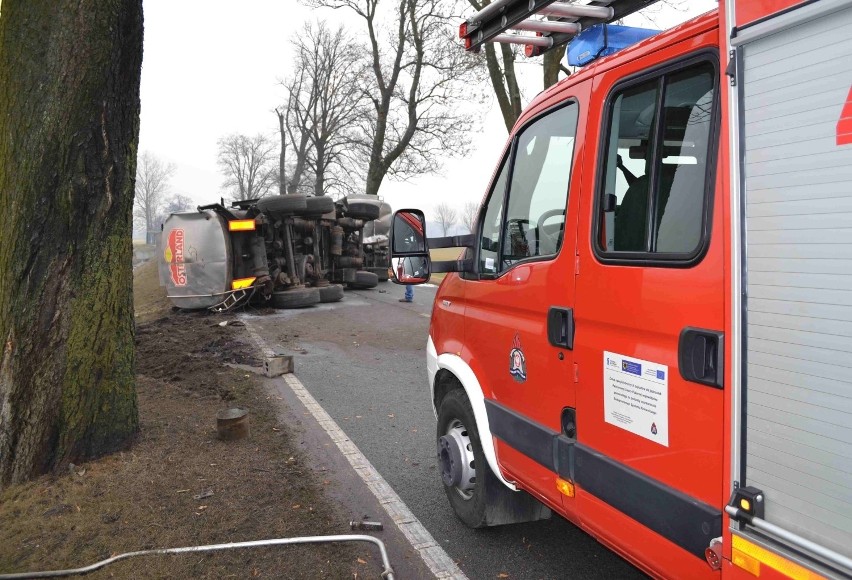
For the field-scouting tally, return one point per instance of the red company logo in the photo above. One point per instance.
(174, 257)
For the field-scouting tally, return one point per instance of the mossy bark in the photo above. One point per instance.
(69, 128)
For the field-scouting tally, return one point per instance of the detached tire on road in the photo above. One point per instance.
(381, 273)
(296, 298)
(331, 293)
(283, 204)
(477, 496)
(364, 280)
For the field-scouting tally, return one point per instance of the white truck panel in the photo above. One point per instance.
(798, 276)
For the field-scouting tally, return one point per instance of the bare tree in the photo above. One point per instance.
(325, 101)
(295, 126)
(179, 202)
(469, 213)
(246, 164)
(416, 87)
(446, 216)
(152, 184)
(500, 62)
(282, 158)
(175, 204)
(69, 73)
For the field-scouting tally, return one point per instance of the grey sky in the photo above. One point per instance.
(212, 68)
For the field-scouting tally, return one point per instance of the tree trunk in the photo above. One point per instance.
(282, 180)
(375, 176)
(552, 65)
(69, 128)
(319, 179)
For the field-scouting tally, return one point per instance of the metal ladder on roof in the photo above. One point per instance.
(567, 20)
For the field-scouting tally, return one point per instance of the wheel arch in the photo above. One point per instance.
(448, 372)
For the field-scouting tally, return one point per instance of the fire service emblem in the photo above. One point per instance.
(173, 255)
(517, 361)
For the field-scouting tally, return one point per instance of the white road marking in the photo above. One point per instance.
(433, 555)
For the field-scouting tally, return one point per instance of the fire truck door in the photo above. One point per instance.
(524, 291)
(649, 314)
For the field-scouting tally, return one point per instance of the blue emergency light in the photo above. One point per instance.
(602, 40)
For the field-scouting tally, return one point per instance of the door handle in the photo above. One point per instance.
(701, 356)
(560, 327)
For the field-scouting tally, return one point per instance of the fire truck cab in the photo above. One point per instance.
(649, 331)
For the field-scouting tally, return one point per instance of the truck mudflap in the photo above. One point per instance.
(195, 264)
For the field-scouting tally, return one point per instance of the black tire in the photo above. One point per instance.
(381, 273)
(342, 275)
(364, 280)
(331, 293)
(296, 298)
(361, 210)
(283, 204)
(317, 206)
(470, 507)
(489, 502)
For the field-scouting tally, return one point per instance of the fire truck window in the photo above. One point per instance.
(628, 163)
(686, 121)
(489, 247)
(538, 193)
(657, 158)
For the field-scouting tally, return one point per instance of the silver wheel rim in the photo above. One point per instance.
(457, 432)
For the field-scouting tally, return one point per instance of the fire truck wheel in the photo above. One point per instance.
(331, 293)
(361, 210)
(364, 280)
(283, 204)
(296, 298)
(317, 206)
(381, 273)
(464, 470)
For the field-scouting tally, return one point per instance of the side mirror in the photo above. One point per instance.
(411, 270)
(409, 250)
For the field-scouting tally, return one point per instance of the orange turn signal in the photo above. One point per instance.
(241, 225)
(564, 487)
(746, 562)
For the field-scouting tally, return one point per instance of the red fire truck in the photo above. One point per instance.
(650, 330)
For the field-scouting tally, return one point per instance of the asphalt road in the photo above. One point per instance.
(363, 359)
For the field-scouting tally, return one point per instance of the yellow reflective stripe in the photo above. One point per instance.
(771, 559)
(241, 283)
(241, 225)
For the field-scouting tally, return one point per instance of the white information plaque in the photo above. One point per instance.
(636, 396)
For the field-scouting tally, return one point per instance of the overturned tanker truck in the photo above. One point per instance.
(283, 251)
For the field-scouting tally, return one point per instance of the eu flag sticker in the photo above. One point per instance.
(631, 367)
(661, 375)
